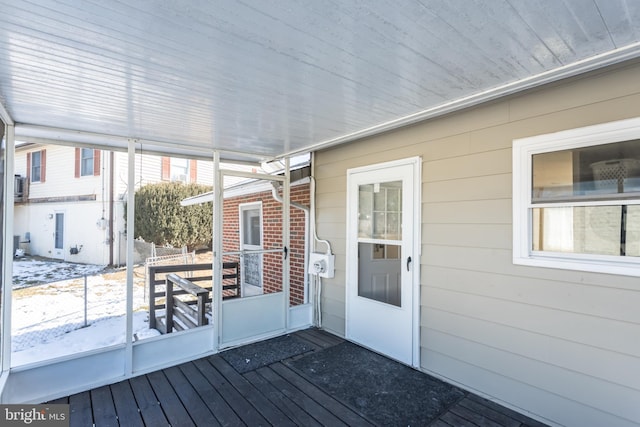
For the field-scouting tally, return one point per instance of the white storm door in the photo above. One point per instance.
(58, 236)
(251, 247)
(383, 237)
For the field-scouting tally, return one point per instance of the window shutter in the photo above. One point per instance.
(166, 168)
(29, 167)
(96, 162)
(77, 167)
(43, 165)
(193, 170)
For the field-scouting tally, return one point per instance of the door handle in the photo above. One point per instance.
(408, 262)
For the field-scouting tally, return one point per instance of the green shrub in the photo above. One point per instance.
(160, 219)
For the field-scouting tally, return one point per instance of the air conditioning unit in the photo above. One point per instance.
(19, 183)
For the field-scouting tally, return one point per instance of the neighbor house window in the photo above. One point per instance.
(36, 161)
(179, 169)
(577, 199)
(87, 162)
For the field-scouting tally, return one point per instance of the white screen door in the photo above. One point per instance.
(382, 258)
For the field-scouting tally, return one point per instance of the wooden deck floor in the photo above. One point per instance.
(210, 392)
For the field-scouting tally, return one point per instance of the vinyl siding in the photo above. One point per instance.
(559, 345)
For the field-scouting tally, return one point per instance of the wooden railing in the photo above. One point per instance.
(185, 299)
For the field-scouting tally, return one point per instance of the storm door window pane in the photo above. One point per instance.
(251, 222)
(380, 210)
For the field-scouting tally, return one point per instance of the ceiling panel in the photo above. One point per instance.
(271, 77)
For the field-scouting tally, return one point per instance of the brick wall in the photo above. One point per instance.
(272, 238)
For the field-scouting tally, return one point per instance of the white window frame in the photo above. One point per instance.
(173, 167)
(523, 151)
(86, 171)
(33, 166)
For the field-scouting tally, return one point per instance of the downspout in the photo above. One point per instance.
(305, 209)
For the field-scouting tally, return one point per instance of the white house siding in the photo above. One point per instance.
(561, 345)
(82, 225)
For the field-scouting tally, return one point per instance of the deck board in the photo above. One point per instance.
(334, 406)
(247, 413)
(190, 398)
(104, 410)
(170, 403)
(281, 400)
(273, 415)
(147, 402)
(310, 406)
(128, 414)
(211, 392)
(214, 401)
(80, 413)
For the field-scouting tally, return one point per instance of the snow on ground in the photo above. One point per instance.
(48, 320)
(32, 271)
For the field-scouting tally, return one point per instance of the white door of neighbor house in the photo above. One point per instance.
(250, 246)
(58, 236)
(383, 251)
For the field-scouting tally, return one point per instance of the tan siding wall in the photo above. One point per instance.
(561, 344)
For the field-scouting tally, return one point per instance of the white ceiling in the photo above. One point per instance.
(267, 78)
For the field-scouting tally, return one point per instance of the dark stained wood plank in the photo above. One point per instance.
(240, 405)
(456, 420)
(147, 402)
(440, 423)
(476, 418)
(104, 412)
(126, 406)
(492, 414)
(60, 401)
(214, 401)
(506, 411)
(268, 410)
(341, 411)
(176, 414)
(318, 338)
(200, 414)
(80, 413)
(278, 398)
(310, 406)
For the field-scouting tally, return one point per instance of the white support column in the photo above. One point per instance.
(7, 253)
(218, 195)
(286, 238)
(131, 190)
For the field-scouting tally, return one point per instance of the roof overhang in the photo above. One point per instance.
(257, 81)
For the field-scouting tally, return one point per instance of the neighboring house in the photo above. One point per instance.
(71, 203)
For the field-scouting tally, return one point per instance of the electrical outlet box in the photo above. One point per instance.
(321, 264)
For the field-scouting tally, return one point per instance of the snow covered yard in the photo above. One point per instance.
(48, 309)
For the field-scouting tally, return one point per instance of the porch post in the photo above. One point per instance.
(7, 167)
(216, 292)
(131, 183)
(286, 238)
